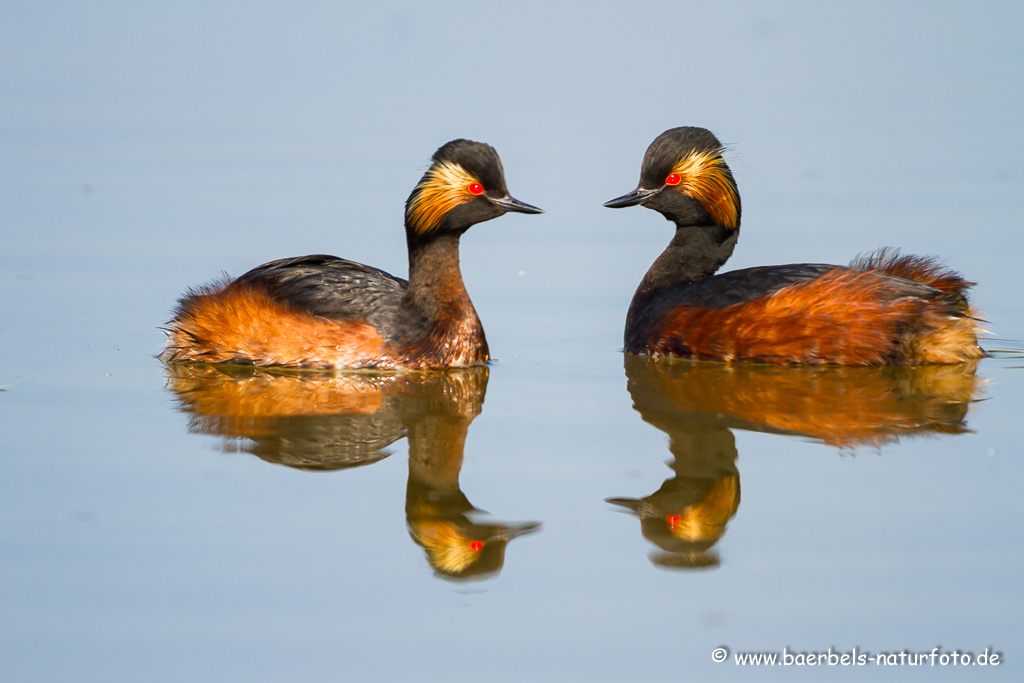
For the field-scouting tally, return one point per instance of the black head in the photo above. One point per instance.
(465, 185)
(685, 178)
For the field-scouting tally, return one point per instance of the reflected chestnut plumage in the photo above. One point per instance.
(846, 407)
(304, 420)
(882, 309)
(325, 312)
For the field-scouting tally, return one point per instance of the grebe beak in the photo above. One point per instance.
(637, 196)
(511, 204)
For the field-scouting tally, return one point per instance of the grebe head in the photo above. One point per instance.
(685, 178)
(465, 185)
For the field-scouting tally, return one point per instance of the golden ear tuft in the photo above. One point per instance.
(443, 187)
(707, 178)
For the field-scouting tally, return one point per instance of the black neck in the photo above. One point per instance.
(435, 280)
(694, 253)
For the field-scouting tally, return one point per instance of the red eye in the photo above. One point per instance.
(672, 521)
(672, 179)
(476, 188)
(476, 545)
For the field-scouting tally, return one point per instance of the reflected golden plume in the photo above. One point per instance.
(448, 551)
(706, 520)
(687, 516)
(458, 544)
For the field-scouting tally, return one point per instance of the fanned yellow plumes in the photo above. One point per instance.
(706, 178)
(443, 187)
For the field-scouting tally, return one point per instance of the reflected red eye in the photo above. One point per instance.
(672, 521)
(672, 179)
(476, 545)
(476, 188)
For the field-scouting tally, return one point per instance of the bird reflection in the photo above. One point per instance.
(329, 421)
(698, 404)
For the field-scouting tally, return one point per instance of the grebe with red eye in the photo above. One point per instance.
(884, 309)
(325, 312)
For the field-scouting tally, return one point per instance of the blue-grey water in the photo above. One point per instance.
(628, 518)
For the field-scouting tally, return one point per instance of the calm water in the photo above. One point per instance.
(566, 513)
